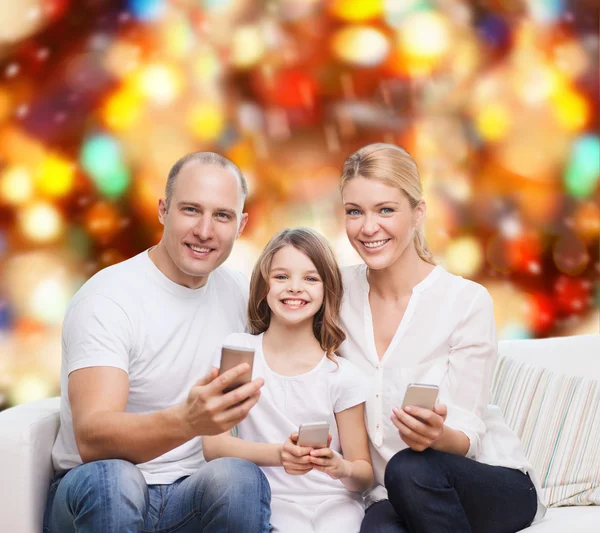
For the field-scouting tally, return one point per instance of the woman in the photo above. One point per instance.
(456, 468)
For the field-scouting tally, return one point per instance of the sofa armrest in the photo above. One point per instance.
(27, 434)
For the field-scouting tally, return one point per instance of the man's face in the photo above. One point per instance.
(202, 221)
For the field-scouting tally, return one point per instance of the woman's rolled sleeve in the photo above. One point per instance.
(473, 355)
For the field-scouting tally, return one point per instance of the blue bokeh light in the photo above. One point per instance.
(147, 10)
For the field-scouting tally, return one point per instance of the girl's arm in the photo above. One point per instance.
(293, 458)
(224, 445)
(354, 469)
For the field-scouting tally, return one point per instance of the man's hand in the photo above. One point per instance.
(105, 430)
(295, 459)
(208, 411)
(420, 428)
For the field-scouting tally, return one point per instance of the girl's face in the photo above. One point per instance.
(380, 222)
(295, 287)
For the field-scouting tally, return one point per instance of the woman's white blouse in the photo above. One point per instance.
(446, 337)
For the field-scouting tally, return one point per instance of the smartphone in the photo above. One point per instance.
(232, 356)
(421, 395)
(315, 435)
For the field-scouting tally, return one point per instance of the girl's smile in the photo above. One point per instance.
(294, 304)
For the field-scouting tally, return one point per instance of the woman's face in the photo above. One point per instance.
(380, 222)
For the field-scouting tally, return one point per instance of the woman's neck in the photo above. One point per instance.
(399, 279)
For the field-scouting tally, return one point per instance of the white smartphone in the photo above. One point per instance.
(421, 395)
(232, 356)
(313, 435)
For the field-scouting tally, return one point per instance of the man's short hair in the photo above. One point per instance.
(205, 158)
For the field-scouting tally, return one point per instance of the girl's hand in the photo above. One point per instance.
(295, 459)
(333, 464)
(420, 428)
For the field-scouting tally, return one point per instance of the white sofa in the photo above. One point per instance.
(27, 433)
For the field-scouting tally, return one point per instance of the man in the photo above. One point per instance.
(136, 339)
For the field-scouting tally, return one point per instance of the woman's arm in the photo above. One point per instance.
(423, 428)
(473, 354)
(354, 469)
(472, 360)
(224, 445)
(452, 441)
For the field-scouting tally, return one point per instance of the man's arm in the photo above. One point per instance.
(103, 430)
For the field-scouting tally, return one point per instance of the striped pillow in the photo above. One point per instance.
(557, 418)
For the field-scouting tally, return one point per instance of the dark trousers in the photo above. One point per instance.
(437, 492)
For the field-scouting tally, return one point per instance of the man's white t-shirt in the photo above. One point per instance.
(288, 401)
(131, 316)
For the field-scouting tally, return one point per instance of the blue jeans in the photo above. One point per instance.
(112, 497)
(437, 492)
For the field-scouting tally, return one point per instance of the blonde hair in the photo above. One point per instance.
(326, 322)
(394, 166)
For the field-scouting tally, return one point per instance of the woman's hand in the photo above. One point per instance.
(295, 459)
(331, 463)
(420, 428)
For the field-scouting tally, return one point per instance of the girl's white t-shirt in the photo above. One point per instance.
(288, 401)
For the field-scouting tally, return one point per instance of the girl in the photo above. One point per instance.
(295, 297)
(456, 468)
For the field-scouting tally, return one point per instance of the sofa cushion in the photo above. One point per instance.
(577, 355)
(557, 418)
(27, 434)
(578, 519)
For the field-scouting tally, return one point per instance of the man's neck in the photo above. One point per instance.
(162, 260)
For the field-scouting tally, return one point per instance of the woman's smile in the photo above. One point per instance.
(375, 246)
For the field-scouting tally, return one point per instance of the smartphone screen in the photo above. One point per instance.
(421, 395)
(232, 356)
(315, 435)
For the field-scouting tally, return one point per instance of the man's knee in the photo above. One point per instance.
(106, 483)
(237, 478)
(234, 495)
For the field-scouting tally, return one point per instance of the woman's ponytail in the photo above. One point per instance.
(421, 247)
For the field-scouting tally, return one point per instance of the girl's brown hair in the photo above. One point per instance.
(394, 166)
(326, 324)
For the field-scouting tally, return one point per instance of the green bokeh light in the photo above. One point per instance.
(101, 157)
(583, 168)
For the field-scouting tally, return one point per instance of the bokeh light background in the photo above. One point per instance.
(497, 101)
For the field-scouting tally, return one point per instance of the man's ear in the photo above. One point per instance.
(243, 223)
(162, 210)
